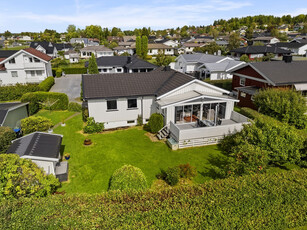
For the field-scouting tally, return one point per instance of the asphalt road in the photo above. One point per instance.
(70, 85)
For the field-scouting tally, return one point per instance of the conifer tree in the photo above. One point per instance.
(92, 65)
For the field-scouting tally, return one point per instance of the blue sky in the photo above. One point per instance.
(35, 15)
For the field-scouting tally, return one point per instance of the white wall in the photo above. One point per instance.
(48, 166)
(220, 76)
(169, 51)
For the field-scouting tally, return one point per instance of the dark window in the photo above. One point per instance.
(132, 103)
(111, 104)
(12, 61)
(131, 121)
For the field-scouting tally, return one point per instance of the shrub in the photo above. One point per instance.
(224, 84)
(6, 136)
(46, 100)
(128, 178)
(140, 120)
(170, 175)
(22, 178)
(92, 126)
(283, 104)
(187, 171)
(58, 72)
(74, 107)
(155, 122)
(11, 93)
(32, 124)
(46, 84)
(85, 114)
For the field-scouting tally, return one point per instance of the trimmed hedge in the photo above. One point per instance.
(32, 124)
(224, 84)
(69, 70)
(270, 201)
(6, 136)
(45, 100)
(74, 107)
(15, 92)
(46, 84)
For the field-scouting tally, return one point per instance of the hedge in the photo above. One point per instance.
(46, 100)
(68, 70)
(74, 107)
(15, 92)
(270, 201)
(6, 136)
(46, 84)
(32, 124)
(224, 84)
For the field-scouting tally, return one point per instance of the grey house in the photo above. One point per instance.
(44, 150)
(12, 113)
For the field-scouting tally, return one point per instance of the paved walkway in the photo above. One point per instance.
(68, 118)
(70, 85)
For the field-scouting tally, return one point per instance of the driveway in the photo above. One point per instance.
(70, 85)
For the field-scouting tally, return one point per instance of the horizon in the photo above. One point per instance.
(23, 16)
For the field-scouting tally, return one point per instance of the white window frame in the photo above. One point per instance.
(242, 81)
(14, 73)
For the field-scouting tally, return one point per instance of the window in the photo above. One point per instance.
(12, 61)
(39, 72)
(104, 70)
(36, 60)
(30, 59)
(119, 70)
(14, 74)
(32, 73)
(242, 81)
(242, 94)
(131, 122)
(111, 104)
(132, 103)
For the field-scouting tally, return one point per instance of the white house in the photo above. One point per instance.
(98, 51)
(195, 113)
(155, 48)
(72, 56)
(189, 47)
(24, 38)
(297, 48)
(119, 50)
(266, 40)
(24, 66)
(44, 150)
(171, 43)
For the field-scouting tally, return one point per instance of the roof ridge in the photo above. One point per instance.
(167, 80)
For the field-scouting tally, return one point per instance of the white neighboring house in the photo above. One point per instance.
(42, 149)
(25, 38)
(195, 113)
(98, 51)
(188, 47)
(296, 47)
(155, 48)
(85, 41)
(171, 43)
(119, 50)
(72, 56)
(266, 40)
(24, 66)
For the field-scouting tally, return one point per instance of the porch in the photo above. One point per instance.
(204, 132)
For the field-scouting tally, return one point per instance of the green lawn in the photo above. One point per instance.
(16, 48)
(90, 167)
(55, 116)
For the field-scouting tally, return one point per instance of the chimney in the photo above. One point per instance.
(167, 68)
(128, 59)
(287, 58)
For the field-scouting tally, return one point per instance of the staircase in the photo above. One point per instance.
(163, 133)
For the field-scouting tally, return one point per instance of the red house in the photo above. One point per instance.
(249, 78)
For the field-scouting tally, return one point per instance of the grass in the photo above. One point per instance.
(55, 116)
(90, 167)
(73, 65)
(16, 48)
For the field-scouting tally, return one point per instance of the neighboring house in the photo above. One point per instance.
(115, 38)
(129, 38)
(72, 56)
(283, 28)
(44, 150)
(155, 48)
(24, 38)
(24, 66)
(188, 47)
(297, 48)
(259, 51)
(266, 40)
(98, 51)
(45, 47)
(119, 50)
(123, 64)
(63, 46)
(85, 41)
(298, 26)
(222, 43)
(126, 44)
(171, 43)
(195, 113)
(248, 79)
(12, 113)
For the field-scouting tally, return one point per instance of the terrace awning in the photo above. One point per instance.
(300, 87)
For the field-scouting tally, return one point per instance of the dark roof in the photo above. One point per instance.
(5, 107)
(62, 46)
(123, 61)
(155, 83)
(290, 44)
(7, 53)
(260, 50)
(48, 46)
(281, 73)
(37, 145)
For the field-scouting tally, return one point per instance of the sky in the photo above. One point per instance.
(37, 15)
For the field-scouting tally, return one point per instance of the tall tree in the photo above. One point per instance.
(234, 41)
(162, 59)
(7, 34)
(92, 65)
(93, 31)
(144, 42)
(138, 46)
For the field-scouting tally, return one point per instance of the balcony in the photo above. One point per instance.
(34, 66)
(205, 132)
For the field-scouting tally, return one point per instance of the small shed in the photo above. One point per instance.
(12, 113)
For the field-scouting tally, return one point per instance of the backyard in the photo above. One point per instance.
(90, 167)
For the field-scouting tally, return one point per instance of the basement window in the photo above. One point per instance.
(131, 122)
(243, 94)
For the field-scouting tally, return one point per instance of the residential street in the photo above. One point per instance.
(70, 85)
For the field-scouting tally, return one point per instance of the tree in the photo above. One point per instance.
(93, 31)
(92, 65)
(249, 33)
(128, 178)
(234, 41)
(138, 46)
(144, 42)
(22, 178)
(212, 48)
(244, 58)
(162, 59)
(7, 34)
(71, 29)
(258, 43)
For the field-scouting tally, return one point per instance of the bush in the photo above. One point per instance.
(74, 107)
(187, 171)
(270, 201)
(46, 100)
(59, 72)
(85, 114)
(92, 126)
(140, 120)
(12, 93)
(283, 104)
(170, 175)
(155, 122)
(6, 136)
(32, 124)
(22, 178)
(128, 178)
(46, 84)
